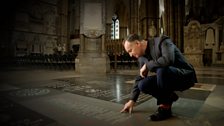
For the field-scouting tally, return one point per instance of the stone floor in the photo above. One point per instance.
(35, 97)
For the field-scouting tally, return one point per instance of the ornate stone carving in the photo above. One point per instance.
(36, 12)
(193, 43)
(152, 30)
(93, 33)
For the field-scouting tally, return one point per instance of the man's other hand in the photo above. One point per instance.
(143, 71)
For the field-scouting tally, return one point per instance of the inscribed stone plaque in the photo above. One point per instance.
(92, 16)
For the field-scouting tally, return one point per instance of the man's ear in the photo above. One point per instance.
(138, 43)
(123, 42)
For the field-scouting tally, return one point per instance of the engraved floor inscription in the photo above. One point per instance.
(110, 88)
(88, 110)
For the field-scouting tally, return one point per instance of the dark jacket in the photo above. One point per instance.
(162, 52)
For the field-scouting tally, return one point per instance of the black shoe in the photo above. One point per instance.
(161, 114)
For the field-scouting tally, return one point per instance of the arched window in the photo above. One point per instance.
(115, 27)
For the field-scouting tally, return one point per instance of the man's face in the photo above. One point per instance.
(133, 48)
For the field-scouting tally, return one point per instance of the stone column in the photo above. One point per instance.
(168, 17)
(179, 24)
(92, 58)
(133, 16)
(63, 23)
(149, 18)
(174, 22)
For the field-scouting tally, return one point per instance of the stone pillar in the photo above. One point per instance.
(179, 24)
(149, 17)
(92, 58)
(63, 24)
(133, 17)
(168, 18)
(174, 21)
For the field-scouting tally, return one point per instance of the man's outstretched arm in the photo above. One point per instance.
(128, 107)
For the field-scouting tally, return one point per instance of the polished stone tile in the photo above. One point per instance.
(75, 110)
(96, 100)
(110, 88)
(194, 94)
(14, 114)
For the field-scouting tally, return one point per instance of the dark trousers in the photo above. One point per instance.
(164, 83)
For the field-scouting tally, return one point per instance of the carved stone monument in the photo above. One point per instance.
(192, 43)
(203, 43)
(92, 58)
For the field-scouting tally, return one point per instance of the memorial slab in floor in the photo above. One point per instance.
(110, 87)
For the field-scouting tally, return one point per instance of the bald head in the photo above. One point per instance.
(134, 45)
(133, 37)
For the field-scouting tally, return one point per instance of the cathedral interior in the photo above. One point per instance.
(63, 61)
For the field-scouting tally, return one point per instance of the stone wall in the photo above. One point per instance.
(40, 26)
